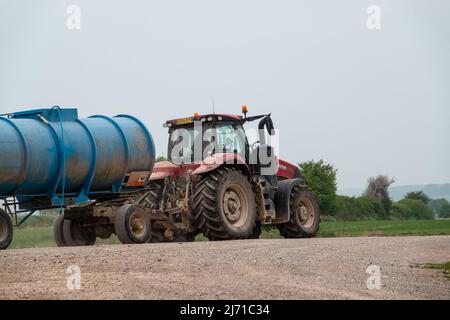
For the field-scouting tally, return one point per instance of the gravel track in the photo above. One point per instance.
(320, 268)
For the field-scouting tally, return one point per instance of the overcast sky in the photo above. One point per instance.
(367, 101)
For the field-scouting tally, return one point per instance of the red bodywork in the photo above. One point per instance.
(165, 169)
(287, 170)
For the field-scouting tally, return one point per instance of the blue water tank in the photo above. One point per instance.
(101, 155)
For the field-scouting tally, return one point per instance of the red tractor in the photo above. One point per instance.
(214, 182)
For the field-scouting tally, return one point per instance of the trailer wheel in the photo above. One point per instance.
(304, 215)
(226, 202)
(132, 224)
(6, 230)
(76, 235)
(58, 232)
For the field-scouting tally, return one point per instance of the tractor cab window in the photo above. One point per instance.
(194, 144)
(228, 140)
(181, 145)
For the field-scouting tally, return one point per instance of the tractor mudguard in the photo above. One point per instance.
(282, 200)
(219, 159)
(163, 169)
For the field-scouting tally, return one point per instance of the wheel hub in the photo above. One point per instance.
(303, 213)
(137, 223)
(235, 205)
(232, 205)
(306, 212)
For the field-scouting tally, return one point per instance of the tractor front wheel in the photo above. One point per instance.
(6, 230)
(224, 205)
(304, 215)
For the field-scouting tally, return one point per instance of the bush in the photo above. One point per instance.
(377, 188)
(320, 177)
(418, 195)
(358, 208)
(440, 207)
(411, 209)
(444, 210)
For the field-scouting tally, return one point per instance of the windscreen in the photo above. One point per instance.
(195, 143)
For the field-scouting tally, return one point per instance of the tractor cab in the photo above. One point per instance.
(196, 139)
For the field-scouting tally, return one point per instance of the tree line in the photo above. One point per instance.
(374, 203)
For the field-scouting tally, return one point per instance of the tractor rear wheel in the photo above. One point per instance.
(132, 224)
(224, 205)
(152, 201)
(6, 230)
(304, 215)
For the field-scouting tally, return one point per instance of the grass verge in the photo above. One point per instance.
(445, 267)
(37, 232)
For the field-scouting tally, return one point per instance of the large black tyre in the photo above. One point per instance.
(304, 214)
(6, 230)
(71, 233)
(76, 235)
(132, 224)
(152, 201)
(58, 231)
(224, 205)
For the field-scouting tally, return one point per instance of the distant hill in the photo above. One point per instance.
(434, 191)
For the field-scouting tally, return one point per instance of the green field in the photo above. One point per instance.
(38, 231)
(385, 228)
(445, 267)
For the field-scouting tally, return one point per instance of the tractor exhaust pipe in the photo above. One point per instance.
(265, 122)
(261, 134)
